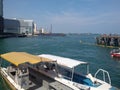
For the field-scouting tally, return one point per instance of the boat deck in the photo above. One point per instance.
(42, 82)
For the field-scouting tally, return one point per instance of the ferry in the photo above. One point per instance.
(115, 53)
(49, 72)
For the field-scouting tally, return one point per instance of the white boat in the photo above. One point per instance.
(84, 82)
(50, 72)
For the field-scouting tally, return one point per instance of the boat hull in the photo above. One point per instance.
(117, 55)
(9, 81)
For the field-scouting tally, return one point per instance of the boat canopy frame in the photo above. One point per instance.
(66, 62)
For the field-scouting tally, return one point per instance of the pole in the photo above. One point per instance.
(72, 73)
(87, 68)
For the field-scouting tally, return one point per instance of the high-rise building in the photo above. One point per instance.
(19, 26)
(1, 7)
(1, 17)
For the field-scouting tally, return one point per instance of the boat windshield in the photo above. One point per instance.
(78, 76)
(67, 72)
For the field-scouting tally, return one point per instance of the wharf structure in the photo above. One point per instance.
(108, 40)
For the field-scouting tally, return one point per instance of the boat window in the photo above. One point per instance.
(13, 73)
(65, 72)
(81, 69)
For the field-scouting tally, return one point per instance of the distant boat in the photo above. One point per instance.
(115, 53)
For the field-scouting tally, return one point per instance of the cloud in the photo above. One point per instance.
(75, 21)
(82, 19)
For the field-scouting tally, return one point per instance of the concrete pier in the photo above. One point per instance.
(108, 40)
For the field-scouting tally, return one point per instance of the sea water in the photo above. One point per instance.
(80, 47)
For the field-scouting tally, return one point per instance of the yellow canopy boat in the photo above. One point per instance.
(17, 58)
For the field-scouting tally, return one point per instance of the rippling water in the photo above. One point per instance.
(80, 47)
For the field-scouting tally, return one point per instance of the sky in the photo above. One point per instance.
(68, 16)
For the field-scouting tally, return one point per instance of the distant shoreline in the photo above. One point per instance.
(7, 35)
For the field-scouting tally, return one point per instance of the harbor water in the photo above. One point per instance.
(79, 47)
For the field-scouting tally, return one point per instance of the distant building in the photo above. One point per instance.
(1, 7)
(19, 26)
(11, 26)
(35, 28)
(1, 17)
(42, 30)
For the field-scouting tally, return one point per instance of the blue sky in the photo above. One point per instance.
(68, 16)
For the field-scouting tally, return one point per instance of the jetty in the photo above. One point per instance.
(108, 40)
(8, 35)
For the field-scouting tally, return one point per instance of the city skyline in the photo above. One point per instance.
(68, 16)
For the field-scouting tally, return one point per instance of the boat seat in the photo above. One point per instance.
(88, 82)
(91, 77)
(83, 80)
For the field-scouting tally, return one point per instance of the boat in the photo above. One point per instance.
(115, 53)
(49, 72)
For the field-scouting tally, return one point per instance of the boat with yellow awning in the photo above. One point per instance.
(18, 75)
(49, 72)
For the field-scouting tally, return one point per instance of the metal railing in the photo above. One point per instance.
(104, 71)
